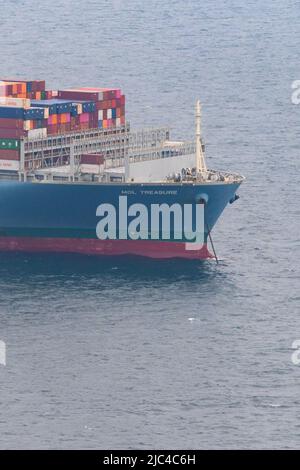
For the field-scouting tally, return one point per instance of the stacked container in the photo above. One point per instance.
(35, 89)
(27, 109)
(109, 105)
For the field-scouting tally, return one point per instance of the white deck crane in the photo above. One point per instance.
(200, 159)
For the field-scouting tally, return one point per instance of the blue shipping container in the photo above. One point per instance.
(34, 113)
(55, 106)
(87, 106)
(11, 113)
(74, 110)
(44, 104)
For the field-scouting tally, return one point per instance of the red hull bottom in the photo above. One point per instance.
(149, 249)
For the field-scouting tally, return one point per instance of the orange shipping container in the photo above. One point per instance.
(64, 118)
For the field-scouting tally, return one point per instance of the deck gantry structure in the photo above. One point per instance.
(120, 147)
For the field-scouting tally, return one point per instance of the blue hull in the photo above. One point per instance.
(65, 213)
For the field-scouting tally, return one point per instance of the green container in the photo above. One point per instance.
(9, 144)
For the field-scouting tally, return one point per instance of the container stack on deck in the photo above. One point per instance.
(28, 110)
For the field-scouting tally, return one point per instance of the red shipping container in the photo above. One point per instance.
(107, 93)
(40, 85)
(9, 155)
(77, 95)
(53, 129)
(63, 128)
(99, 105)
(122, 99)
(11, 123)
(93, 123)
(12, 133)
(92, 158)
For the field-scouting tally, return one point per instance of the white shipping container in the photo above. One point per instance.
(109, 114)
(26, 125)
(15, 102)
(93, 169)
(12, 165)
(100, 115)
(118, 122)
(37, 133)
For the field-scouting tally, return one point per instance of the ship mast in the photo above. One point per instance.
(200, 160)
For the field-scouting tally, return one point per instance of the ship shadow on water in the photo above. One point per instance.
(27, 267)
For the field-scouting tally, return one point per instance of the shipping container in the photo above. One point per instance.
(9, 144)
(87, 106)
(17, 102)
(12, 133)
(36, 113)
(92, 158)
(27, 85)
(11, 112)
(9, 165)
(12, 123)
(52, 129)
(103, 93)
(77, 95)
(37, 134)
(84, 117)
(60, 111)
(51, 106)
(76, 109)
(9, 154)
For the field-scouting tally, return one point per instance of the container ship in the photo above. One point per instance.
(75, 178)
